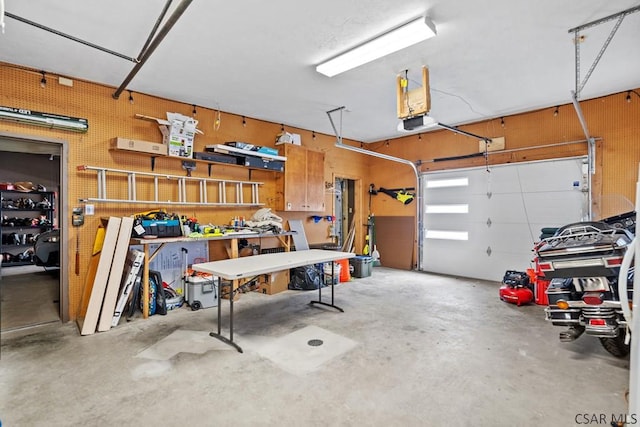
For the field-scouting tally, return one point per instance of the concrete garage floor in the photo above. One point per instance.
(31, 298)
(411, 349)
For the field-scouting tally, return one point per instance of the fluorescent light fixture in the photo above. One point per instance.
(53, 121)
(392, 41)
(447, 209)
(447, 235)
(443, 183)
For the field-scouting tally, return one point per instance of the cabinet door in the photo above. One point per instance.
(315, 181)
(294, 191)
(302, 183)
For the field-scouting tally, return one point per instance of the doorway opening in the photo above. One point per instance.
(31, 277)
(344, 204)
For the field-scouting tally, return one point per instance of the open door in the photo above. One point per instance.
(32, 290)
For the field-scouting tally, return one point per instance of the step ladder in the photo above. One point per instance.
(205, 184)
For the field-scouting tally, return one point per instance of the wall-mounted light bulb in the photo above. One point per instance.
(502, 121)
(244, 122)
(194, 111)
(628, 96)
(43, 80)
(130, 97)
(313, 135)
(281, 128)
(556, 111)
(420, 137)
(386, 144)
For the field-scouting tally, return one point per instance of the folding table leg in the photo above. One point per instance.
(332, 291)
(219, 335)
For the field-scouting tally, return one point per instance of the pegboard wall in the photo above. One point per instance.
(110, 118)
(534, 135)
(553, 132)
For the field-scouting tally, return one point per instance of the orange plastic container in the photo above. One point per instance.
(345, 275)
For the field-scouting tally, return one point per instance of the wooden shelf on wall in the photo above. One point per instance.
(210, 163)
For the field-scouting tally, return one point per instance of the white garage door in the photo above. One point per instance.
(480, 224)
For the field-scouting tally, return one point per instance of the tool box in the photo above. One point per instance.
(202, 291)
(162, 228)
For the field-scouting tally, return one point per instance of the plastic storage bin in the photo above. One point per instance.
(361, 265)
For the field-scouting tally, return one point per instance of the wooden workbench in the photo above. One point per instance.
(232, 238)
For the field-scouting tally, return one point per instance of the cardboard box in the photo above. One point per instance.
(178, 136)
(288, 138)
(225, 292)
(178, 132)
(274, 283)
(140, 146)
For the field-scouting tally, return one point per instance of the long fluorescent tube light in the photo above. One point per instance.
(53, 121)
(392, 41)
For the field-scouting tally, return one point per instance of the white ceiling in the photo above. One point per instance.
(257, 58)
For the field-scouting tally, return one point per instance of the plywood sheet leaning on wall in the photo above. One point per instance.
(88, 317)
(91, 271)
(115, 274)
(395, 236)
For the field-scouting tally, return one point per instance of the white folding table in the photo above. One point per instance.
(236, 269)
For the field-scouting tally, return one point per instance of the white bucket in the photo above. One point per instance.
(326, 269)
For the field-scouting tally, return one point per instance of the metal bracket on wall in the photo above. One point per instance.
(188, 166)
